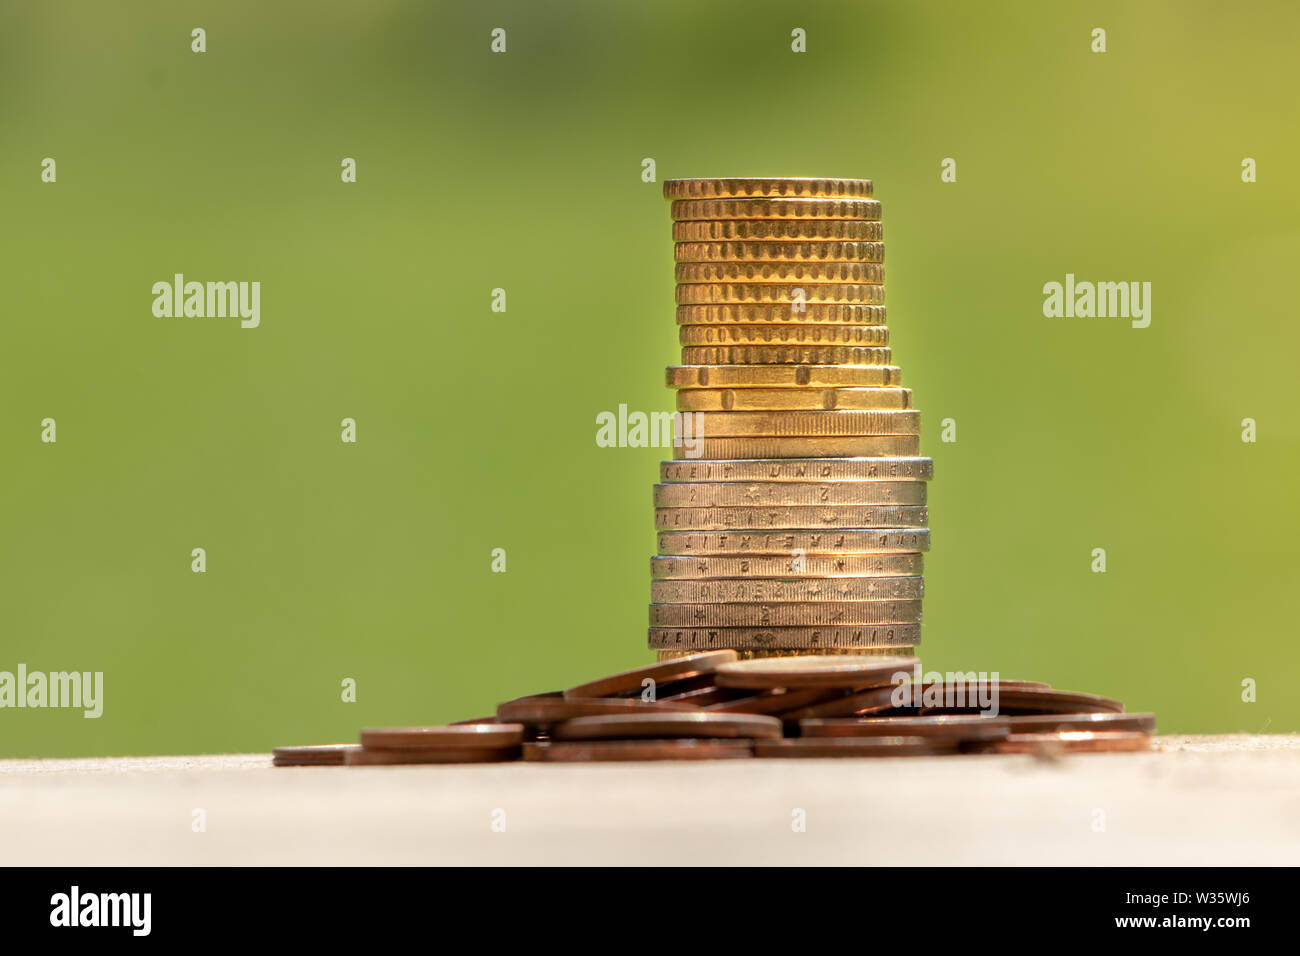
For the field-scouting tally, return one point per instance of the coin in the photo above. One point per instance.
(794, 614)
(856, 336)
(600, 751)
(786, 543)
(794, 517)
(771, 702)
(446, 735)
(817, 748)
(781, 376)
(844, 566)
(762, 590)
(1008, 697)
(633, 682)
(366, 757)
(967, 728)
(314, 755)
(829, 293)
(785, 355)
(872, 273)
(779, 252)
(545, 709)
(754, 494)
(813, 671)
(781, 424)
(1073, 741)
(702, 724)
(768, 209)
(821, 639)
(941, 724)
(768, 313)
(704, 696)
(799, 187)
(791, 399)
(806, 446)
(800, 469)
(819, 230)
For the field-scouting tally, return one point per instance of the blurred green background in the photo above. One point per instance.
(476, 430)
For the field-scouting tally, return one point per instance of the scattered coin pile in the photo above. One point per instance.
(713, 706)
(793, 518)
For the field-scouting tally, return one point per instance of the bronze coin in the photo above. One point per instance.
(1101, 721)
(599, 751)
(700, 724)
(479, 736)
(775, 702)
(705, 697)
(380, 757)
(1073, 741)
(966, 728)
(816, 747)
(1008, 697)
(314, 755)
(629, 682)
(813, 671)
(870, 701)
(542, 710)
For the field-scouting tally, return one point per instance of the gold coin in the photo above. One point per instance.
(783, 376)
(764, 186)
(796, 517)
(841, 293)
(703, 209)
(745, 230)
(862, 272)
(757, 652)
(800, 469)
(779, 252)
(789, 615)
(806, 542)
(791, 399)
(814, 313)
(889, 421)
(682, 567)
(785, 355)
(858, 335)
(762, 590)
(819, 446)
(756, 494)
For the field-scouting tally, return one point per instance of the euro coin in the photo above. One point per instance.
(834, 446)
(812, 671)
(800, 469)
(780, 313)
(795, 543)
(795, 297)
(851, 335)
(849, 423)
(779, 251)
(793, 614)
(795, 517)
(822, 640)
(872, 273)
(783, 376)
(784, 355)
(816, 230)
(791, 399)
(733, 494)
(763, 590)
(699, 724)
(798, 187)
(675, 568)
(768, 209)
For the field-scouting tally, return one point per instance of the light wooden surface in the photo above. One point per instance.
(1198, 800)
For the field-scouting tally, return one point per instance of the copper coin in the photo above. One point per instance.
(707, 696)
(854, 747)
(315, 755)
(629, 682)
(813, 671)
(366, 757)
(444, 735)
(1102, 721)
(542, 710)
(1005, 696)
(775, 702)
(599, 751)
(700, 724)
(1073, 741)
(959, 698)
(967, 728)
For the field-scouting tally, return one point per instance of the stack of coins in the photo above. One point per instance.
(793, 519)
(714, 706)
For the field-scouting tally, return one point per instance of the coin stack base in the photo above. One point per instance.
(793, 518)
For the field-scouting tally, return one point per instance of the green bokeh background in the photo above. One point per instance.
(476, 430)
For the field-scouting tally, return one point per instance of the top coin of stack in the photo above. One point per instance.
(793, 518)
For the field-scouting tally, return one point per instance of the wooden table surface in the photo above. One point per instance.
(1195, 800)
